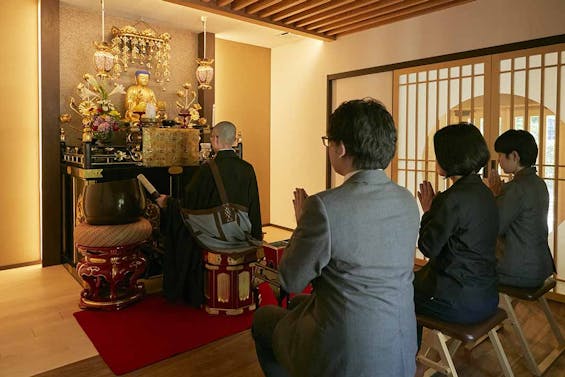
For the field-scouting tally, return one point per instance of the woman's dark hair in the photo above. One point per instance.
(367, 131)
(520, 141)
(460, 149)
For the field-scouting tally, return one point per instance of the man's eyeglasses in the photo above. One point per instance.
(325, 141)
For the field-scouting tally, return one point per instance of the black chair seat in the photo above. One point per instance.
(465, 333)
(528, 294)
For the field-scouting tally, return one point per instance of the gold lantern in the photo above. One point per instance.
(204, 71)
(104, 60)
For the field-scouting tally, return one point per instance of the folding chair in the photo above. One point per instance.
(459, 334)
(507, 295)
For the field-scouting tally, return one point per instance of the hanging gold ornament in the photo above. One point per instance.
(143, 48)
(204, 71)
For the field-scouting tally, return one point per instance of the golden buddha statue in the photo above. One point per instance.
(138, 96)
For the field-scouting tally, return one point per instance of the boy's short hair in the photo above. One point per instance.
(367, 131)
(460, 149)
(520, 141)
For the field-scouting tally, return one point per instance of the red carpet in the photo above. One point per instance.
(153, 330)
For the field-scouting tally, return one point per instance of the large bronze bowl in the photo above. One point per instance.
(114, 202)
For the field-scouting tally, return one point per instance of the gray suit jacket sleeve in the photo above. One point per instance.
(309, 249)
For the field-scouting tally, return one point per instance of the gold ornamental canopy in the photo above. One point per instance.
(142, 48)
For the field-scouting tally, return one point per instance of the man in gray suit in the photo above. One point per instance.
(355, 244)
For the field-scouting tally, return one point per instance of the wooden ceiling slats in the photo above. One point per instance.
(337, 11)
(241, 4)
(301, 8)
(318, 10)
(322, 19)
(353, 14)
(359, 17)
(252, 9)
(279, 7)
(223, 3)
(397, 16)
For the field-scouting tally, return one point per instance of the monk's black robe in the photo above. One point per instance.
(183, 269)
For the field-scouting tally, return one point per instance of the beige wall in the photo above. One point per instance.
(243, 85)
(378, 85)
(299, 71)
(19, 133)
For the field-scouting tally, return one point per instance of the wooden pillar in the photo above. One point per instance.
(50, 151)
(206, 96)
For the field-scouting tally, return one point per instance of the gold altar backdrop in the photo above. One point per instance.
(19, 134)
(80, 28)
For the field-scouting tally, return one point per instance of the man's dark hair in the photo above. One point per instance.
(520, 141)
(460, 149)
(367, 131)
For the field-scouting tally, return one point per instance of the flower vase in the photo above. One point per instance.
(185, 119)
(102, 138)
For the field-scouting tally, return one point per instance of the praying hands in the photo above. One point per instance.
(426, 195)
(299, 197)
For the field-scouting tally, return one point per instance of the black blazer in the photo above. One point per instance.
(240, 183)
(458, 234)
(524, 258)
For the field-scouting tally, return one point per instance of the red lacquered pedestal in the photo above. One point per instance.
(227, 281)
(110, 275)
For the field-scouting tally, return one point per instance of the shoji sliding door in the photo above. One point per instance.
(427, 99)
(522, 90)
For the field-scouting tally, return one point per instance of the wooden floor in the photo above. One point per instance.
(39, 336)
(37, 329)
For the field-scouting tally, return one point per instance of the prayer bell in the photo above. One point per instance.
(113, 202)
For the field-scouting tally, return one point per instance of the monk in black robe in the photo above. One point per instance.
(183, 270)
